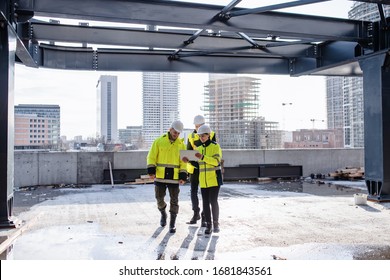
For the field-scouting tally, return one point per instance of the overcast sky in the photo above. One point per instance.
(75, 91)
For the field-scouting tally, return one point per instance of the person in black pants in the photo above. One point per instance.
(193, 170)
(210, 177)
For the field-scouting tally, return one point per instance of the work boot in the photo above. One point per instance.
(194, 218)
(216, 227)
(163, 220)
(208, 228)
(203, 221)
(172, 228)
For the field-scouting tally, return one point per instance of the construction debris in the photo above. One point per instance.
(144, 179)
(348, 173)
(264, 179)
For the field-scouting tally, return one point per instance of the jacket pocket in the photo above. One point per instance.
(169, 173)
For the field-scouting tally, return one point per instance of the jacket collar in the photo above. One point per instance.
(205, 144)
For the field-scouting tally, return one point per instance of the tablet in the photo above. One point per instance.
(190, 154)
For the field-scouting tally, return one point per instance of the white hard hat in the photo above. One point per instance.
(199, 119)
(178, 126)
(204, 129)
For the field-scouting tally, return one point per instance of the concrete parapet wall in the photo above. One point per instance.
(90, 166)
(56, 167)
(130, 160)
(26, 169)
(46, 168)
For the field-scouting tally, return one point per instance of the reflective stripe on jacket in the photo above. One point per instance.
(164, 161)
(192, 144)
(210, 174)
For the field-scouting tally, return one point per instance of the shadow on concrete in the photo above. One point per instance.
(368, 208)
(186, 243)
(212, 248)
(317, 189)
(201, 244)
(156, 233)
(162, 246)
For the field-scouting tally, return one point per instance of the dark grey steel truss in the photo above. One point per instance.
(188, 37)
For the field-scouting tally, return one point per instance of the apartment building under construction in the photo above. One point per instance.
(231, 105)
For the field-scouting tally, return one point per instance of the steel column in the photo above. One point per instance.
(376, 87)
(7, 63)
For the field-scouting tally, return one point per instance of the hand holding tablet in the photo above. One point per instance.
(189, 154)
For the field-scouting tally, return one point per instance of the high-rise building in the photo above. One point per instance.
(231, 106)
(334, 103)
(107, 108)
(37, 126)
(160, 96)
(132, 137)
(345, 103)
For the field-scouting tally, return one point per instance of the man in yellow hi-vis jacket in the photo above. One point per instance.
(193, 169)
(168, 171)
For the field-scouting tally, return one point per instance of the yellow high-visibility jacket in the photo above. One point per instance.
(164, 161)
(192, 143)
(210, 174)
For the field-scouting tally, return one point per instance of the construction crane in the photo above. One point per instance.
(315, 120)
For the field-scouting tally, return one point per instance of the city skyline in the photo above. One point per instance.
(74, 92)
(77, 99)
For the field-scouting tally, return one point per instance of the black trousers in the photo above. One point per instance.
(210, 200)
(194, 180)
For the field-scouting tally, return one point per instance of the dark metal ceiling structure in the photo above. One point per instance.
(164, 36)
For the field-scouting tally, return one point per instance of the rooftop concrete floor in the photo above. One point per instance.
(259, 221)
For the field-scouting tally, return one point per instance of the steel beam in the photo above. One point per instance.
(273, 7)
(199, 16)
(72, 58)
(216, 61)
(155, 60)
(21, 51)
(7, 62)
(333, 59)
(376, 88)
(148, 39)
(295, 39)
